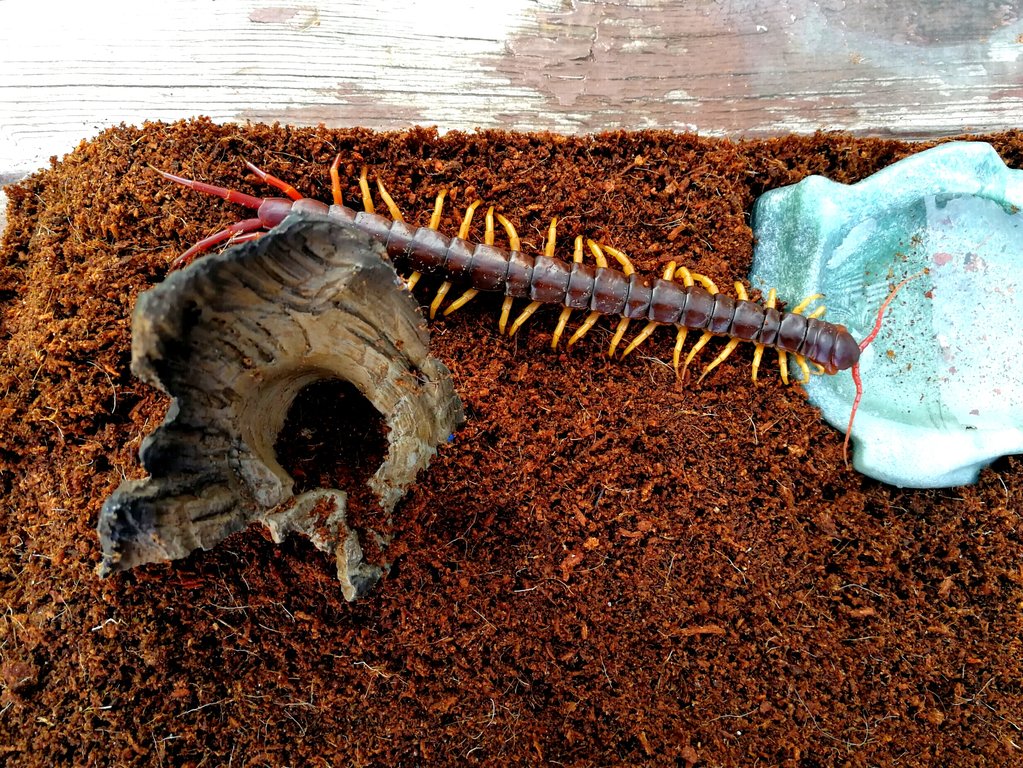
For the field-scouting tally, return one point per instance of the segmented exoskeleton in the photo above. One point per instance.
(686, 300)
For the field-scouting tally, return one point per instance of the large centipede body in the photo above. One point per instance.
(678, 298)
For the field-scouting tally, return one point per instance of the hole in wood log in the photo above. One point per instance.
(333, 437)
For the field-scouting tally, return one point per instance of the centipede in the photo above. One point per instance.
(678, 298)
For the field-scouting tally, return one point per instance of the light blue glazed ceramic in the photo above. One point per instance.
(943, 382)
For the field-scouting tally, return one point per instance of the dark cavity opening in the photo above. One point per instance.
(333, 437)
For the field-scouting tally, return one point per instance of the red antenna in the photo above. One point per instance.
(863, 345)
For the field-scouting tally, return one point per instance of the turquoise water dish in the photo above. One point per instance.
(943, 382)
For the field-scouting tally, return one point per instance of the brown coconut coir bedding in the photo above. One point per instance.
(602, 568)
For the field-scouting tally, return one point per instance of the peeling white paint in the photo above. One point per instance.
(732, 68)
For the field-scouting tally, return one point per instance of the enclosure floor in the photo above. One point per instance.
(603, 567)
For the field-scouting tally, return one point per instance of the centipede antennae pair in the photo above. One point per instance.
(679, 298)
(867, 341)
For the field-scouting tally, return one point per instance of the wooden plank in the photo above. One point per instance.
(722, 67)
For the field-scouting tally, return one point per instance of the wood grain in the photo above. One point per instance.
(722, 67)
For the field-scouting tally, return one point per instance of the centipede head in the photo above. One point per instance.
(845, 354)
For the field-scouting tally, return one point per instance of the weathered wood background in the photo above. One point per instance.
(909, 68)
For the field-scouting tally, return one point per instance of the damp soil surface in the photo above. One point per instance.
(603, 567)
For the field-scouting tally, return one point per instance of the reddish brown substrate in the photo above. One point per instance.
(602, 568)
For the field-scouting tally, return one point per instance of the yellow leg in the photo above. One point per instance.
(386, 197)
(740, 291)
(593, 317)
(367, 198)
(516, 245)
(801, 306)
(700, 344)
(582, 330)
(524, 315)
(676, 357)
(463, 232)
(683, 332)
(577, 257)
(335, 181)
(706, 336)
(783, 364)
(620, 257)
(509, 229)
(642, 336)
(801, 362)
(650, 327)
(461, 301)
(506, 307)
(438, 298)
(488, 238)
(628, 269)
(438, 210)
(758, 350)
(619, 334)
(722, 356)
(707, 283)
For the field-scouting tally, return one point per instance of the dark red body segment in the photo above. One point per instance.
(637, 301)
(610, 289)
(550, 280)
(667, 301)
(699, 308)
(721, 315)
(520, 274)
(491, 268)
(747, 320)
(580, 286)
